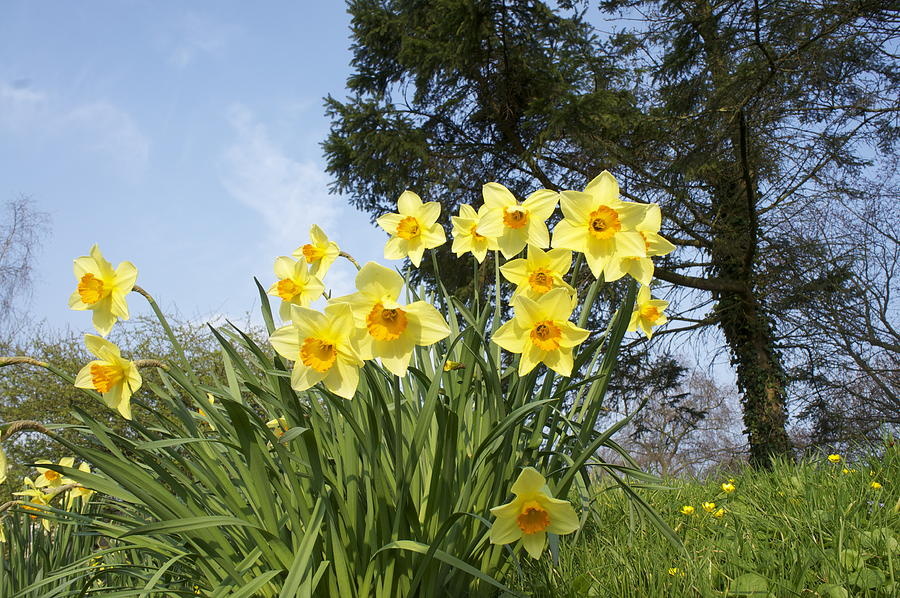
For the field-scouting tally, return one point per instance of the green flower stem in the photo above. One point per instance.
(165, 324)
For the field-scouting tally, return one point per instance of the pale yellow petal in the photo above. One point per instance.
(497, 196)
(118, 305)
(529, 312)
(658, 245)
(616, 268)
(389, 222)
(560, 361)
(641, 269)
(505, 529)
(531, 357)
(555, 305)
(376, 281)
(513, 241)
(643, 295)
(605, 187)
(631, 214)
(101, 347)
(537, 234)
(511, 336)
(572, 335)
(342, 379)
(286, 342)
(396, 248)
(652, 219)
(559, 261)
(416, 251)
(563, 518)
(541, 204)
(409, 204)
(577, 206)
(429, 213)
(284, 267)
(433, 236)
(490, 222)
(534, 543)
(85, 265)
(516, 271)
(126, 275)
(529, 482)
(103, 319)
(304, 377)
(84, 379)
(430, 326)
(567, 235)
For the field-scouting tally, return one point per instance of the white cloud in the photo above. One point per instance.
(289, 195)
(98, 127)
(196, 35)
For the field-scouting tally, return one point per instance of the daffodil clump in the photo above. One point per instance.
(395, 440)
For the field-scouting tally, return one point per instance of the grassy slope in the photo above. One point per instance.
(791, 531)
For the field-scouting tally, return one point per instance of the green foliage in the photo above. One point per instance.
(792, 531)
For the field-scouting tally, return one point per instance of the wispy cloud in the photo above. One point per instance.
(289, 195)
(196, 35)
(98, 127)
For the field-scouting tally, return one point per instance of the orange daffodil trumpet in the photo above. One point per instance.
(532, 514)
(389, 330)
(323, 348)
(295, 286)
(602, 226)
(476, 231)
(413, 230)
(319, 253)
(539, 273)
(102, 289)
(115, 378)
(648, 312)
(541, 332)
(525, 223)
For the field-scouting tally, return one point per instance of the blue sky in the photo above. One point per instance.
(183, 137)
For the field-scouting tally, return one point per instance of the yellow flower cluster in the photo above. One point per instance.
(47, 485)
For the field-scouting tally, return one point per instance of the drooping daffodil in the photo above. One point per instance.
(115, 378)
(102, 289)
(324, 348)
(539, 273)
(80, 491)
(648, 312)
(413, 230)
(641, 268)
(601, 226)
(532, 514)
(278, 426)
(319, 253)
(295, 286)
(50, 477)
(541, 331)
(525, 223)
(476, 231)
(390, 330)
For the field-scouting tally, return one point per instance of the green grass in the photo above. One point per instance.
(798, 530)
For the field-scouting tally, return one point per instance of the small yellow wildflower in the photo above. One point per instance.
(115, 378)
(531, 514)
(673, 571)
(709, 507)
(834, 458)
(449, 366)
(845, 471)
(687, 510)
(476, 231)
(720, 513)
(102, 289)
(413, 230)
(542, 333)
(728, 487)
(875, 486)
(320, 253)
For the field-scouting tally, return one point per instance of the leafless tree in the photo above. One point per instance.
(21, 229)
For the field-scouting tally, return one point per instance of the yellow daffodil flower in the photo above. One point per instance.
(539, 273)
(323, 347)
(524, 223)
(541, 331)
(648, 312)
(51, 478)
(687, 510)
(295, 286)
(102, 289)
(278, 426)
(390, 331)
(37, 500)
(532, 514)
(476, 231)
(80, 491)
(115, 378)
(728, 487)
(720, 513)
(319, 253)
(834, 458)
(641, 268)
(413, 230)
(709, 507)
(875, 486)
(600, 225)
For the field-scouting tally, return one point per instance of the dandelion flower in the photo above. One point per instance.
(834, 458)
(687, 510)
